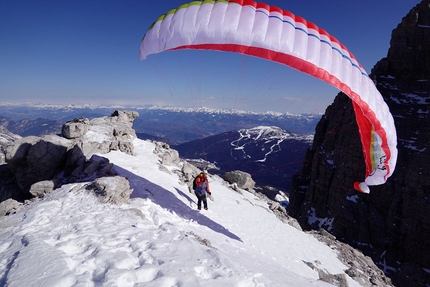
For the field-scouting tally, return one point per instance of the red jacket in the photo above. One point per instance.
(204, 183)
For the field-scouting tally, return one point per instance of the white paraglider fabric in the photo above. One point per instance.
(269, 32)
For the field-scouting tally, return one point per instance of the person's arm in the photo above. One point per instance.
(208, 189)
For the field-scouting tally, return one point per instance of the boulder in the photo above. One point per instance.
(168, 156)
(8, 206)
(242, 179)
(114, 190)
(126, 147)
(39, 189)
(75, 128)
(34, 159)
(189, 171)
(16, 153)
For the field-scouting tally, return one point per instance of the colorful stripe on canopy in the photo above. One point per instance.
(269, 32)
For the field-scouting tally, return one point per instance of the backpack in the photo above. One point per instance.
(195, 183)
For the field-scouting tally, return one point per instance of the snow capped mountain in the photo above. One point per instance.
(69, 238)
(270, 154)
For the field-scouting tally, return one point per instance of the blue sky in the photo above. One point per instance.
(86, 52)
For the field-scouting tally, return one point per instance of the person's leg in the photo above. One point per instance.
(205, 202)
(199, 202)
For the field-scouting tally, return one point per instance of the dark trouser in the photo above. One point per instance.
(200, 198)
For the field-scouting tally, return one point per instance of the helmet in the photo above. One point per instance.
(205, 171)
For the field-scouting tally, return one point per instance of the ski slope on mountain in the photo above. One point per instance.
(271, 136)
(159, 239)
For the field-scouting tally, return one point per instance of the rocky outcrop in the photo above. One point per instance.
(37, 165)
(168, 156)
(408, 56)
(32, 159)
(392, 223)
(361, 268)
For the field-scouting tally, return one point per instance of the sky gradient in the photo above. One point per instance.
(86, 52)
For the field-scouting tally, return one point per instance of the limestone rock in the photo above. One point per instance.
(76, 128)
(408, 56)
(34, 159)
(168, 156)
(242, 179)
(40, 188)
(114, 190)
(8, 206)
(36, 162)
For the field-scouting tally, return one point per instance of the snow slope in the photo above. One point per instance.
(159, 239)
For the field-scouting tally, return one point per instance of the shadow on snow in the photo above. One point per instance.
(143, 188)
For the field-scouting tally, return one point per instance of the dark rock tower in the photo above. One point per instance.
(392, 223)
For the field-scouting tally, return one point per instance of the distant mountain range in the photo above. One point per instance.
(171, 125)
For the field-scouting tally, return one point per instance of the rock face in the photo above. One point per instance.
(392, 223)
(36, 165)
(33, 159)
(408, 57)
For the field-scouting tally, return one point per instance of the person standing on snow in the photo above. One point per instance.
(202, 188)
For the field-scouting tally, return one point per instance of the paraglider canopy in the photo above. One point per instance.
(269, 32)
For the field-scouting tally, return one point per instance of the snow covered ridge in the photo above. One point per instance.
(69, 237)
(158, 238)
